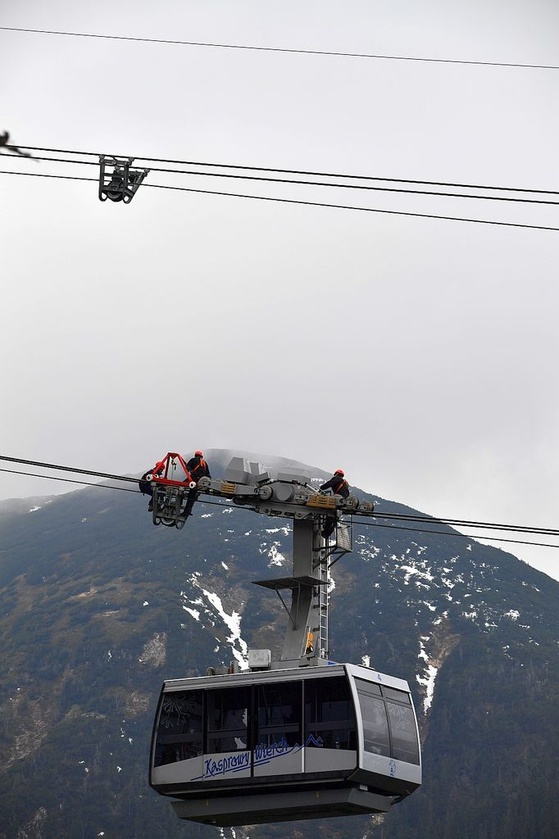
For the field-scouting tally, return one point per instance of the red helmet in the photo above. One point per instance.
(339, 472)
(198, 453)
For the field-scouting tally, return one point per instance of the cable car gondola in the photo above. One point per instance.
(288, 744)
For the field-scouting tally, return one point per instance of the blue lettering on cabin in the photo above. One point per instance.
(233, 763)
(264, 754)
(261, 755)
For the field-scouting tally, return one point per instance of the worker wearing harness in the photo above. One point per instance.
(198, 468)
(338, 486)
(145, 485)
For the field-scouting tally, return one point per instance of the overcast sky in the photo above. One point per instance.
(418, 354)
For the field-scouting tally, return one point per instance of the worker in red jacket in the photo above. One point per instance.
(145, 485)
(198, 468)
(338, 486)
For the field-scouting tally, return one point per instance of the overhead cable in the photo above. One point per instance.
(292, 50)
(354, 186)
(302, 203)
(73, 469)
(466, 523)
(280, 171)
(224, 505)
(447, 533)
(67, 480)
(380, 515)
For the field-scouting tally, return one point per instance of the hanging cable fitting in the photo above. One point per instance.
(123, 182)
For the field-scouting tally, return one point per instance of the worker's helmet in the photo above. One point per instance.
(198, 453)
(339, 472)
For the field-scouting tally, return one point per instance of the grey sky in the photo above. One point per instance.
(418, 354)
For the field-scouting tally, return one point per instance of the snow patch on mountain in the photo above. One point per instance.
(427, 680)
(423, 574)
(271, 550)
(212, 612)
(364, 547)
(275, 556)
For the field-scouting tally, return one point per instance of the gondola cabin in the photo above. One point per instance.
(280, 745)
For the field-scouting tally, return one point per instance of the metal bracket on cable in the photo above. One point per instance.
(122, 183)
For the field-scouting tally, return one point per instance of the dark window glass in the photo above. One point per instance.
(227, 716)
(405, 745)
(329, 714)
(371, 688)
(396, 695)
(279, 714)
(375, 722)
(180, 730)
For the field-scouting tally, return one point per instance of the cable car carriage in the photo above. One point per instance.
(280, 745)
